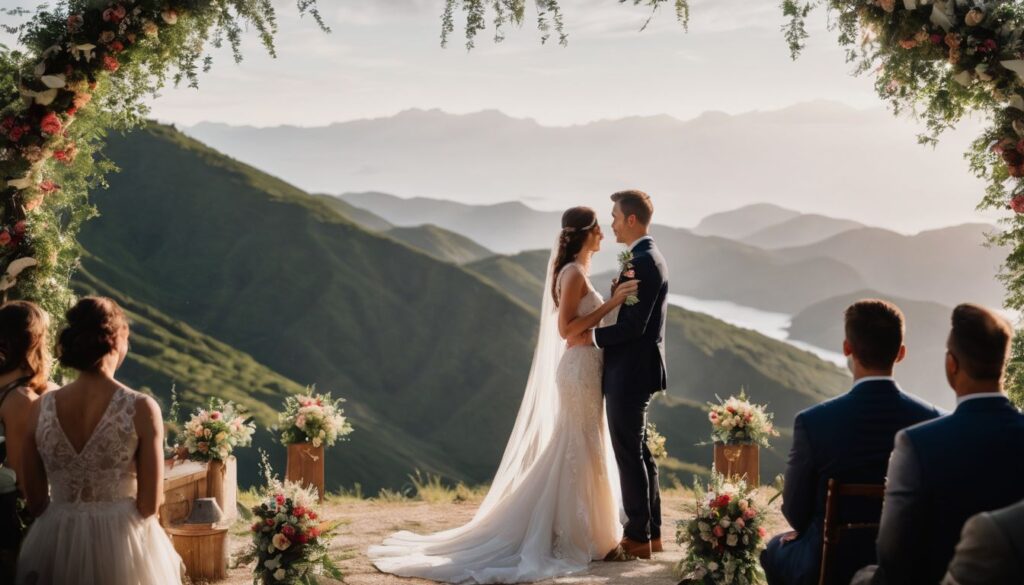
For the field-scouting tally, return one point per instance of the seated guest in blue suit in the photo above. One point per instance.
(848, 439)
(947, 470)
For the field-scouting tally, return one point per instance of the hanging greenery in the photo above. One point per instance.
(85, 67)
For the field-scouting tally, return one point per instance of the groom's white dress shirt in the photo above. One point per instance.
(593, 332)
(961, 399)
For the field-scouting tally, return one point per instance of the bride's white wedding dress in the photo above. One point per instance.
(91, 533)
(553, 506)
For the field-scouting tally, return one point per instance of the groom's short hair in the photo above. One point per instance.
(980, 340)
(875, 329)
(634, 202)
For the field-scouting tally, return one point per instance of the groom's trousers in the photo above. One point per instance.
(638, 473)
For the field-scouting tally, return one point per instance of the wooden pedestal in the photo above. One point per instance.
(203, 549)
(222, 484)
(739, 460)
(306, 466)
(183, 484)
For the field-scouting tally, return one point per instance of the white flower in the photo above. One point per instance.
(724, 523)
(272, 563)
(280, 541)
(280, 574)
(169, 16)
(712, 566)
(316, 441)
(731, 540)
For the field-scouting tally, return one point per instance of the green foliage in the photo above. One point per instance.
(550, 20)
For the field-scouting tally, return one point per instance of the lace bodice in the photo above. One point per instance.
(104, 471)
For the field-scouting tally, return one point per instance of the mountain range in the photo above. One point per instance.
(243, 286)
(820, 157)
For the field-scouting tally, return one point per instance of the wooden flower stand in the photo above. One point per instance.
(739, 460)
(306, 466)
(184, 483)
(203, 549)
(222, 484)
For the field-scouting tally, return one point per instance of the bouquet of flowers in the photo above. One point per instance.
(628, 273)
(656, 443)
(724, 539)
(213, 433)
(738, 422)
(313, 418)
(289, 539)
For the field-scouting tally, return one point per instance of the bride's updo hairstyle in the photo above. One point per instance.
(94, 325)
(24, 342)
(577, 222)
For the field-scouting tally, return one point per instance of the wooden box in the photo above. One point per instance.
(739, 460)
(183, 484)
(306, 466)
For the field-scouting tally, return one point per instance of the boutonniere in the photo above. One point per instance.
(626, 271)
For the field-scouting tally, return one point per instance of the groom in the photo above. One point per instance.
(634, 369)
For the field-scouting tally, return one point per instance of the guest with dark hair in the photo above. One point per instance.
(94, 467)
(944, 471)
(848, 439)
(24, 376)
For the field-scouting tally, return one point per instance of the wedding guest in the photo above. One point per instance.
(945, 471)
(24, 374)
(991, 549)
(849, 439)
(93, 467)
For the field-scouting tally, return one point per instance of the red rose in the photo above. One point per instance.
(299, 511)
(302, 538)
(269, 521)
(1016, 171)
(279, 499)
(256, 527)
(16, 133)
(19, 228)
(288, 530)
(50, 124)
(312, 515)
(314, 532)
(71, 111)
(936, 39)
(988, 45)
(1017, 203)
(110, 63)
(117, 46)
(7, 124)
(719, 531)
(5, 238)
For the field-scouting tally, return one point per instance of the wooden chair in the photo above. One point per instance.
(833, 528)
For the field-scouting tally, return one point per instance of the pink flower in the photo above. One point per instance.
(5, 238)
(215, 415)
(908, 43)
(19, 228)
(299, 511)
(279, 499)
(312, 515)
(110, 63)
(48, 186)
(739, 523)
(288, 530)
(75, 22)
(1017, 203)
(719, 531)
(988, 46)
(749, 513)
(761, 531)
(50, 124)
(936, 39)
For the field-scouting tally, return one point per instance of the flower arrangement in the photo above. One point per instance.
(656, 443)
(212, 434)
(738, 422)
(724, 538)
(289, 538)
(628, 272)
(313, 418)
(78, 69)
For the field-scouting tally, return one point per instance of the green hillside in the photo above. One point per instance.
(440, 243)
(364, 218)
(414, 344)
(521, 275)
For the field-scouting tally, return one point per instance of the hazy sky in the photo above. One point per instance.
(384, 56)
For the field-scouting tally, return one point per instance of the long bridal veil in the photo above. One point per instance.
(510, 538)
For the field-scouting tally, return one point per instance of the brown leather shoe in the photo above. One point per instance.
(656, 545)
(640, 550)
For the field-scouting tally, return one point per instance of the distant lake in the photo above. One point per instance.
(767, 323)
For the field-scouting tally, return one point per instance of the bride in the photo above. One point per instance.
(553, 506)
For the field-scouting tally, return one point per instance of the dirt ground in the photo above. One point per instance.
(368, 522)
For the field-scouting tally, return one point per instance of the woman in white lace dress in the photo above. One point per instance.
(99, 445)
(553, 506)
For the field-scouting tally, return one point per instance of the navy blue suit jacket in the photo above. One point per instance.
(634, 347)
(849, 439)
(942, 473)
